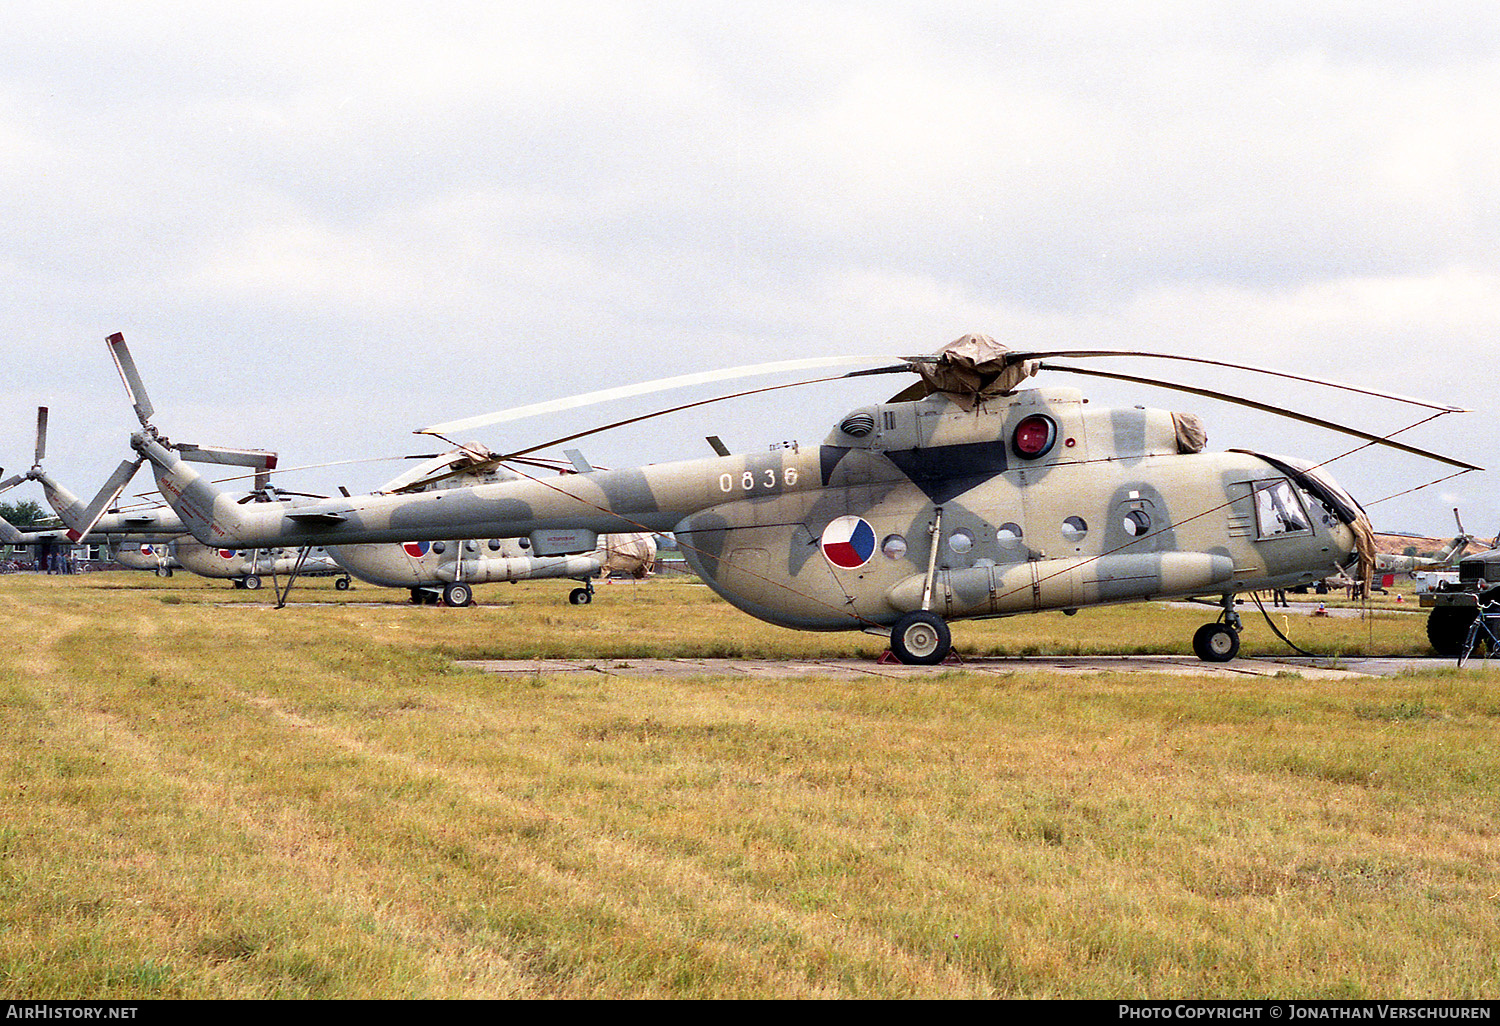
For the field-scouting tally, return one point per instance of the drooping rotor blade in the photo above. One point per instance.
(41, 434)
(675, 409)
(1080, 353)
(111, 491)
(648, 387)
(11, 481)
(1266, 408)
(135, 388)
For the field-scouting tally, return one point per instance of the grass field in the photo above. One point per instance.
(202, 797)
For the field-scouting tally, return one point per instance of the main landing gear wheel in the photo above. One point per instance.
(581, 596)
(458, 595)
(252, 582)
(1216, 643)
(921, 639)
(342, 584)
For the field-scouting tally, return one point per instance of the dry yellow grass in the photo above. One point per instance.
(203, 797)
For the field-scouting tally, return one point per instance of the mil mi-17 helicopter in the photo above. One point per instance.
(964, 496)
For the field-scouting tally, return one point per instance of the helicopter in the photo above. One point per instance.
(1390, 563)
(446, 570)
(964, 496)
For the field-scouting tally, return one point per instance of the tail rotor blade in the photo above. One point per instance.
(259, 459)
(9, 535)
(107, 495)
(41, 434)
(134, 386)
(11, 482)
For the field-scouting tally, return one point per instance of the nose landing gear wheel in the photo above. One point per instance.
(1216, 643)
(921, 639)
(580, 596)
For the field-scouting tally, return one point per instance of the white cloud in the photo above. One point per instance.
(327, 197)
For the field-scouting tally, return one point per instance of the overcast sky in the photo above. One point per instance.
(321, 229)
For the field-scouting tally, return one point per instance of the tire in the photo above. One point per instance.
(921, 639)
(458, 595)
(1447, 626)
(1476, 642)
(580, 596)
(252, 582)
(1216, 643)
(342, 584)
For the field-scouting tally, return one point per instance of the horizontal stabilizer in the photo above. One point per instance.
(313, 518)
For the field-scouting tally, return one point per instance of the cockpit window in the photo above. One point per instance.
(1279, 510)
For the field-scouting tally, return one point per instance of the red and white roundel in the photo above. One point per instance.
(416, 550)
(226, 553)
(848, 542)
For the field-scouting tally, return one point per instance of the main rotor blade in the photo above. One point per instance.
(663, 413)
(41, 434)
(1266, 408)
(645, 388)
(10, 482)
(1079, 353)
(135, 389)
(111, 491)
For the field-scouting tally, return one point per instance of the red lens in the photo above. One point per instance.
(1034, 436)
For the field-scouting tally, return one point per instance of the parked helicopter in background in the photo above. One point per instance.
(965, 496)
(1391, 563)
(447, 571)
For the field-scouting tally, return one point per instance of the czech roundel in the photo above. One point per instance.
(848, 542)
(226, 553)
(416, 550)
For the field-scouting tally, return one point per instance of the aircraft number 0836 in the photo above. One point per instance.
(752, 479)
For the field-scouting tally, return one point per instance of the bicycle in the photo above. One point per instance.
(1482, 631)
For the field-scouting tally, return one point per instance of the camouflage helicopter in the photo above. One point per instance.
(964, 496)
(447, 569)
